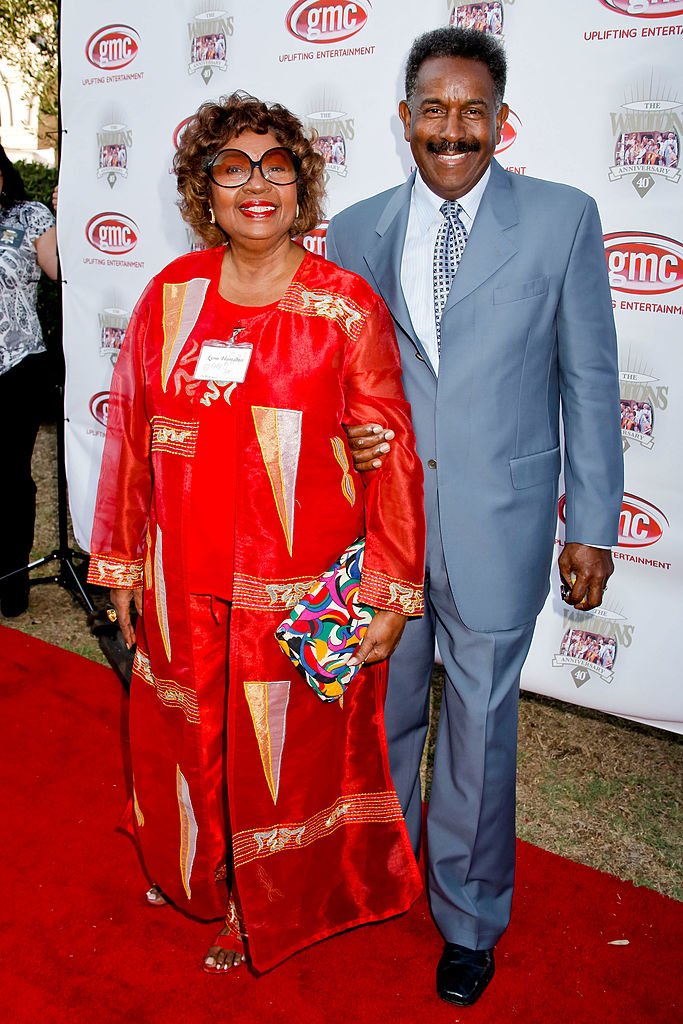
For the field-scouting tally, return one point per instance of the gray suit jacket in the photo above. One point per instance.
(528, 321)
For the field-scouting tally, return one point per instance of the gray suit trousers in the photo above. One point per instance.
(471, 815)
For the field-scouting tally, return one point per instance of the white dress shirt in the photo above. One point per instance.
(424, 220)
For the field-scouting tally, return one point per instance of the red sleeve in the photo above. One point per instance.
(393, 566)
(125, 484)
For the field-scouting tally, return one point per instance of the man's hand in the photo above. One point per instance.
(121, 599)
(368, 443)
(585, 570)
(381, 638)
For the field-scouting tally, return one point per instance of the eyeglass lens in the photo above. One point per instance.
(232, 167)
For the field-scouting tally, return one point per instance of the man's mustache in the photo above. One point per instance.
(462, 146)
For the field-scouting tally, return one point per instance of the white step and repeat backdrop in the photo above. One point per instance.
(596, 97)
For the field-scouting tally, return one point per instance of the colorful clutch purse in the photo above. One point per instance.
(326, 625)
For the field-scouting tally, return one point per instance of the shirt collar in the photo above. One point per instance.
(428, 205)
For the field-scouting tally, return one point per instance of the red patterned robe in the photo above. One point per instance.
(317, 841)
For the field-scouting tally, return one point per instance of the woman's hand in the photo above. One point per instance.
(121, 599)
(381, 638)
(368, 443)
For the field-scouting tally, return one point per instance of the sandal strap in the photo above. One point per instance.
(233, 921)
(231, 942)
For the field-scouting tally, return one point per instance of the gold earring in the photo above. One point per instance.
(212, 216)
(298, 211)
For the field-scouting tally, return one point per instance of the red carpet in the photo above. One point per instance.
(80, 946)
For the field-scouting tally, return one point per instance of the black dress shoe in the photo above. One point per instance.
(463, 974)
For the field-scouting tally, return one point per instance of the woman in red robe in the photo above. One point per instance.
(226, 489)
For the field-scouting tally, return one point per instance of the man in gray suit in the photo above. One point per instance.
(527, 321)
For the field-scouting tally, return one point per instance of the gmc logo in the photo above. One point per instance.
(327, 21)
(640, 523)
(111, 47)
(316, 240)
(180, 130)
(641, 263)
(99, 407)
(112, 233)
(645, 8)
(508, 135)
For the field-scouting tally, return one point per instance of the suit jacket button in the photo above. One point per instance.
(432, 463)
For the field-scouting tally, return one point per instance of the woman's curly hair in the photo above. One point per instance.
(207, 132)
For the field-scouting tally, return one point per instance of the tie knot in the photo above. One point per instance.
(450, 208)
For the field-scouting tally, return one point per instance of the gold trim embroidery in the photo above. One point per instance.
(271, 595)
(348, 487)
(396, 595)
(110, 571)
(346, 810)
(170, 693)
(177, 437)
(342, 310)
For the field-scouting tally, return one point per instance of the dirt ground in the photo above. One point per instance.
(601, 790)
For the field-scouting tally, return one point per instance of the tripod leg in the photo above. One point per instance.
(70, 581)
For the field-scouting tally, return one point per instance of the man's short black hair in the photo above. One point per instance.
(458, 42)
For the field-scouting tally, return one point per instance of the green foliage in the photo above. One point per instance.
(28, 41)
(39, 182)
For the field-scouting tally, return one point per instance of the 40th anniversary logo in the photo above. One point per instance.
(113, 322)
(334, 129)
(647, 138)
(643, 396)
(209, 32)
(591, 642)
(113, 142)
(483, 17)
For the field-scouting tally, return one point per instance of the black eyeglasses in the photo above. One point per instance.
(231, 167)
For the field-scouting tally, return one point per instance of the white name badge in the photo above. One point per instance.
(223, 362)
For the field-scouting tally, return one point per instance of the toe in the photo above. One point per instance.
(155, 896)
(219, 959)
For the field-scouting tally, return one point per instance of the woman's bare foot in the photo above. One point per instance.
(226, 952)
(155, 897)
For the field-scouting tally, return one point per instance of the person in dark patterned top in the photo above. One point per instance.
(28, 246)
